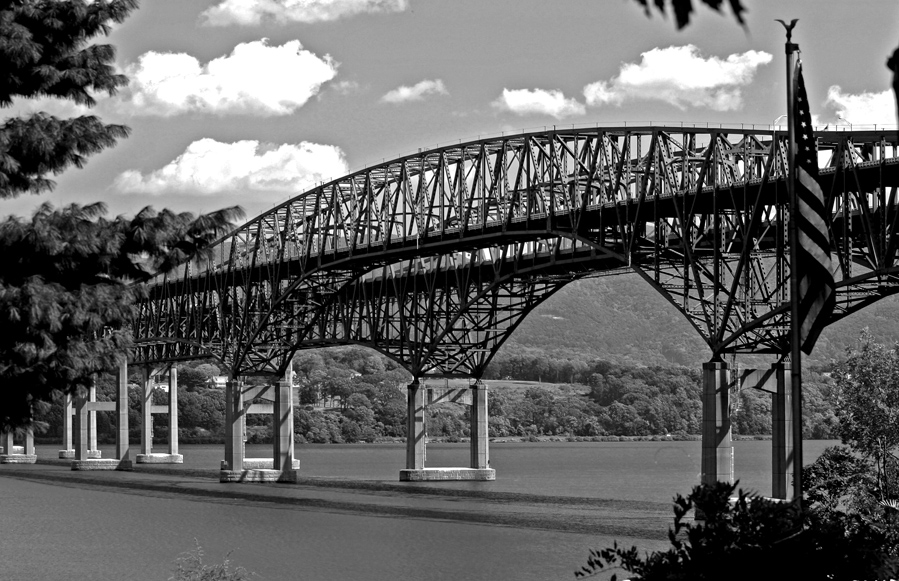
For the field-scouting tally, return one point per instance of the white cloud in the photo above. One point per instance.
(255, 79)
(346, 87)
(52, 106)
(539, 102)
(255, 12)
(679, 75)
(416, 92)
(210, 167)
(864, 108)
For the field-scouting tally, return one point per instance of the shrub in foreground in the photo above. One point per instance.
(190, 567)
(754, 538)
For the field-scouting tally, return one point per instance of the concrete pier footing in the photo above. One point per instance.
(18, 458)
(154, 458)
(438, 474)
(260, 464)
(102, 464)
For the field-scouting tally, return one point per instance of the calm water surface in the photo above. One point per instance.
(648, 471)
(59, 532)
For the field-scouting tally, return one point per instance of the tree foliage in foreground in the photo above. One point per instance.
(683, 9)
(755, 538)
(69, 286)
(848, 526)
(868, 406)
(70, 278)
(46, 52)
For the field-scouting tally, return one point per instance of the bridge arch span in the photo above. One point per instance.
(699, 213)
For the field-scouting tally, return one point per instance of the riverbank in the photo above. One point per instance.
(498, 440)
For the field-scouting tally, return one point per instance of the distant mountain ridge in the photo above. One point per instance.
(624, 320)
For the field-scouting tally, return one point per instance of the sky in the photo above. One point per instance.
(252, 102)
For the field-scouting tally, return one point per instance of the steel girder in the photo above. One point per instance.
(367, 258)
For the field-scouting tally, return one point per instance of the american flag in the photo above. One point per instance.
(816, 286)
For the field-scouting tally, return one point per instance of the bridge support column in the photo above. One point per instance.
(282, 425)
(281, 466)
(67, 410)
(67, 415)
(122, 445)
(12, 454)
(146, 413)
(479, 429)
(419, 396)
(717, 447)
(84, 457)
(415, 427)
(146, 455)
(782, 441)
(92, 421)
(235, 419)
(173, 412)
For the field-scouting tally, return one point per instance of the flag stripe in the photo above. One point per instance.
(813, 264)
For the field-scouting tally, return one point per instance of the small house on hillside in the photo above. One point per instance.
(217, 382)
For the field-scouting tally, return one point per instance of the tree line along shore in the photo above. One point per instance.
(353, 394)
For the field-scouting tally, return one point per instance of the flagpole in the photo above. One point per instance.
(795, 337)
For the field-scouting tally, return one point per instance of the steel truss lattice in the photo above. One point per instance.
(436, 257)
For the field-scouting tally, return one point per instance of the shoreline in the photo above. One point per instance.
(212, 441)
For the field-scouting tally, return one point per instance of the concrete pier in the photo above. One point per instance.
(147, 456)
(235, 421)
(68, 411)
(122, 461)
(416, 451)
(776, 381)
(783, 439)
(12, 454)
(281, 467)
(415, 427)
(479, 429)
(717, 446)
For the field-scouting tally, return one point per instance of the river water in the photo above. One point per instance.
(54, 531)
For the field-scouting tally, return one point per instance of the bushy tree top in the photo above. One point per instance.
(70, 278)
(46, 52)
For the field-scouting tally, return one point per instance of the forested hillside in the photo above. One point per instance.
(623, 319)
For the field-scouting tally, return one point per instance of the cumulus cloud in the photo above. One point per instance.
(52, 106)
(209, 167)
(255, 12)
(864, 108)
(255, 79)
(681, 76)
(416, 92)
(538, 101)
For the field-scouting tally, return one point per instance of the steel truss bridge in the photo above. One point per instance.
(435, 258)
